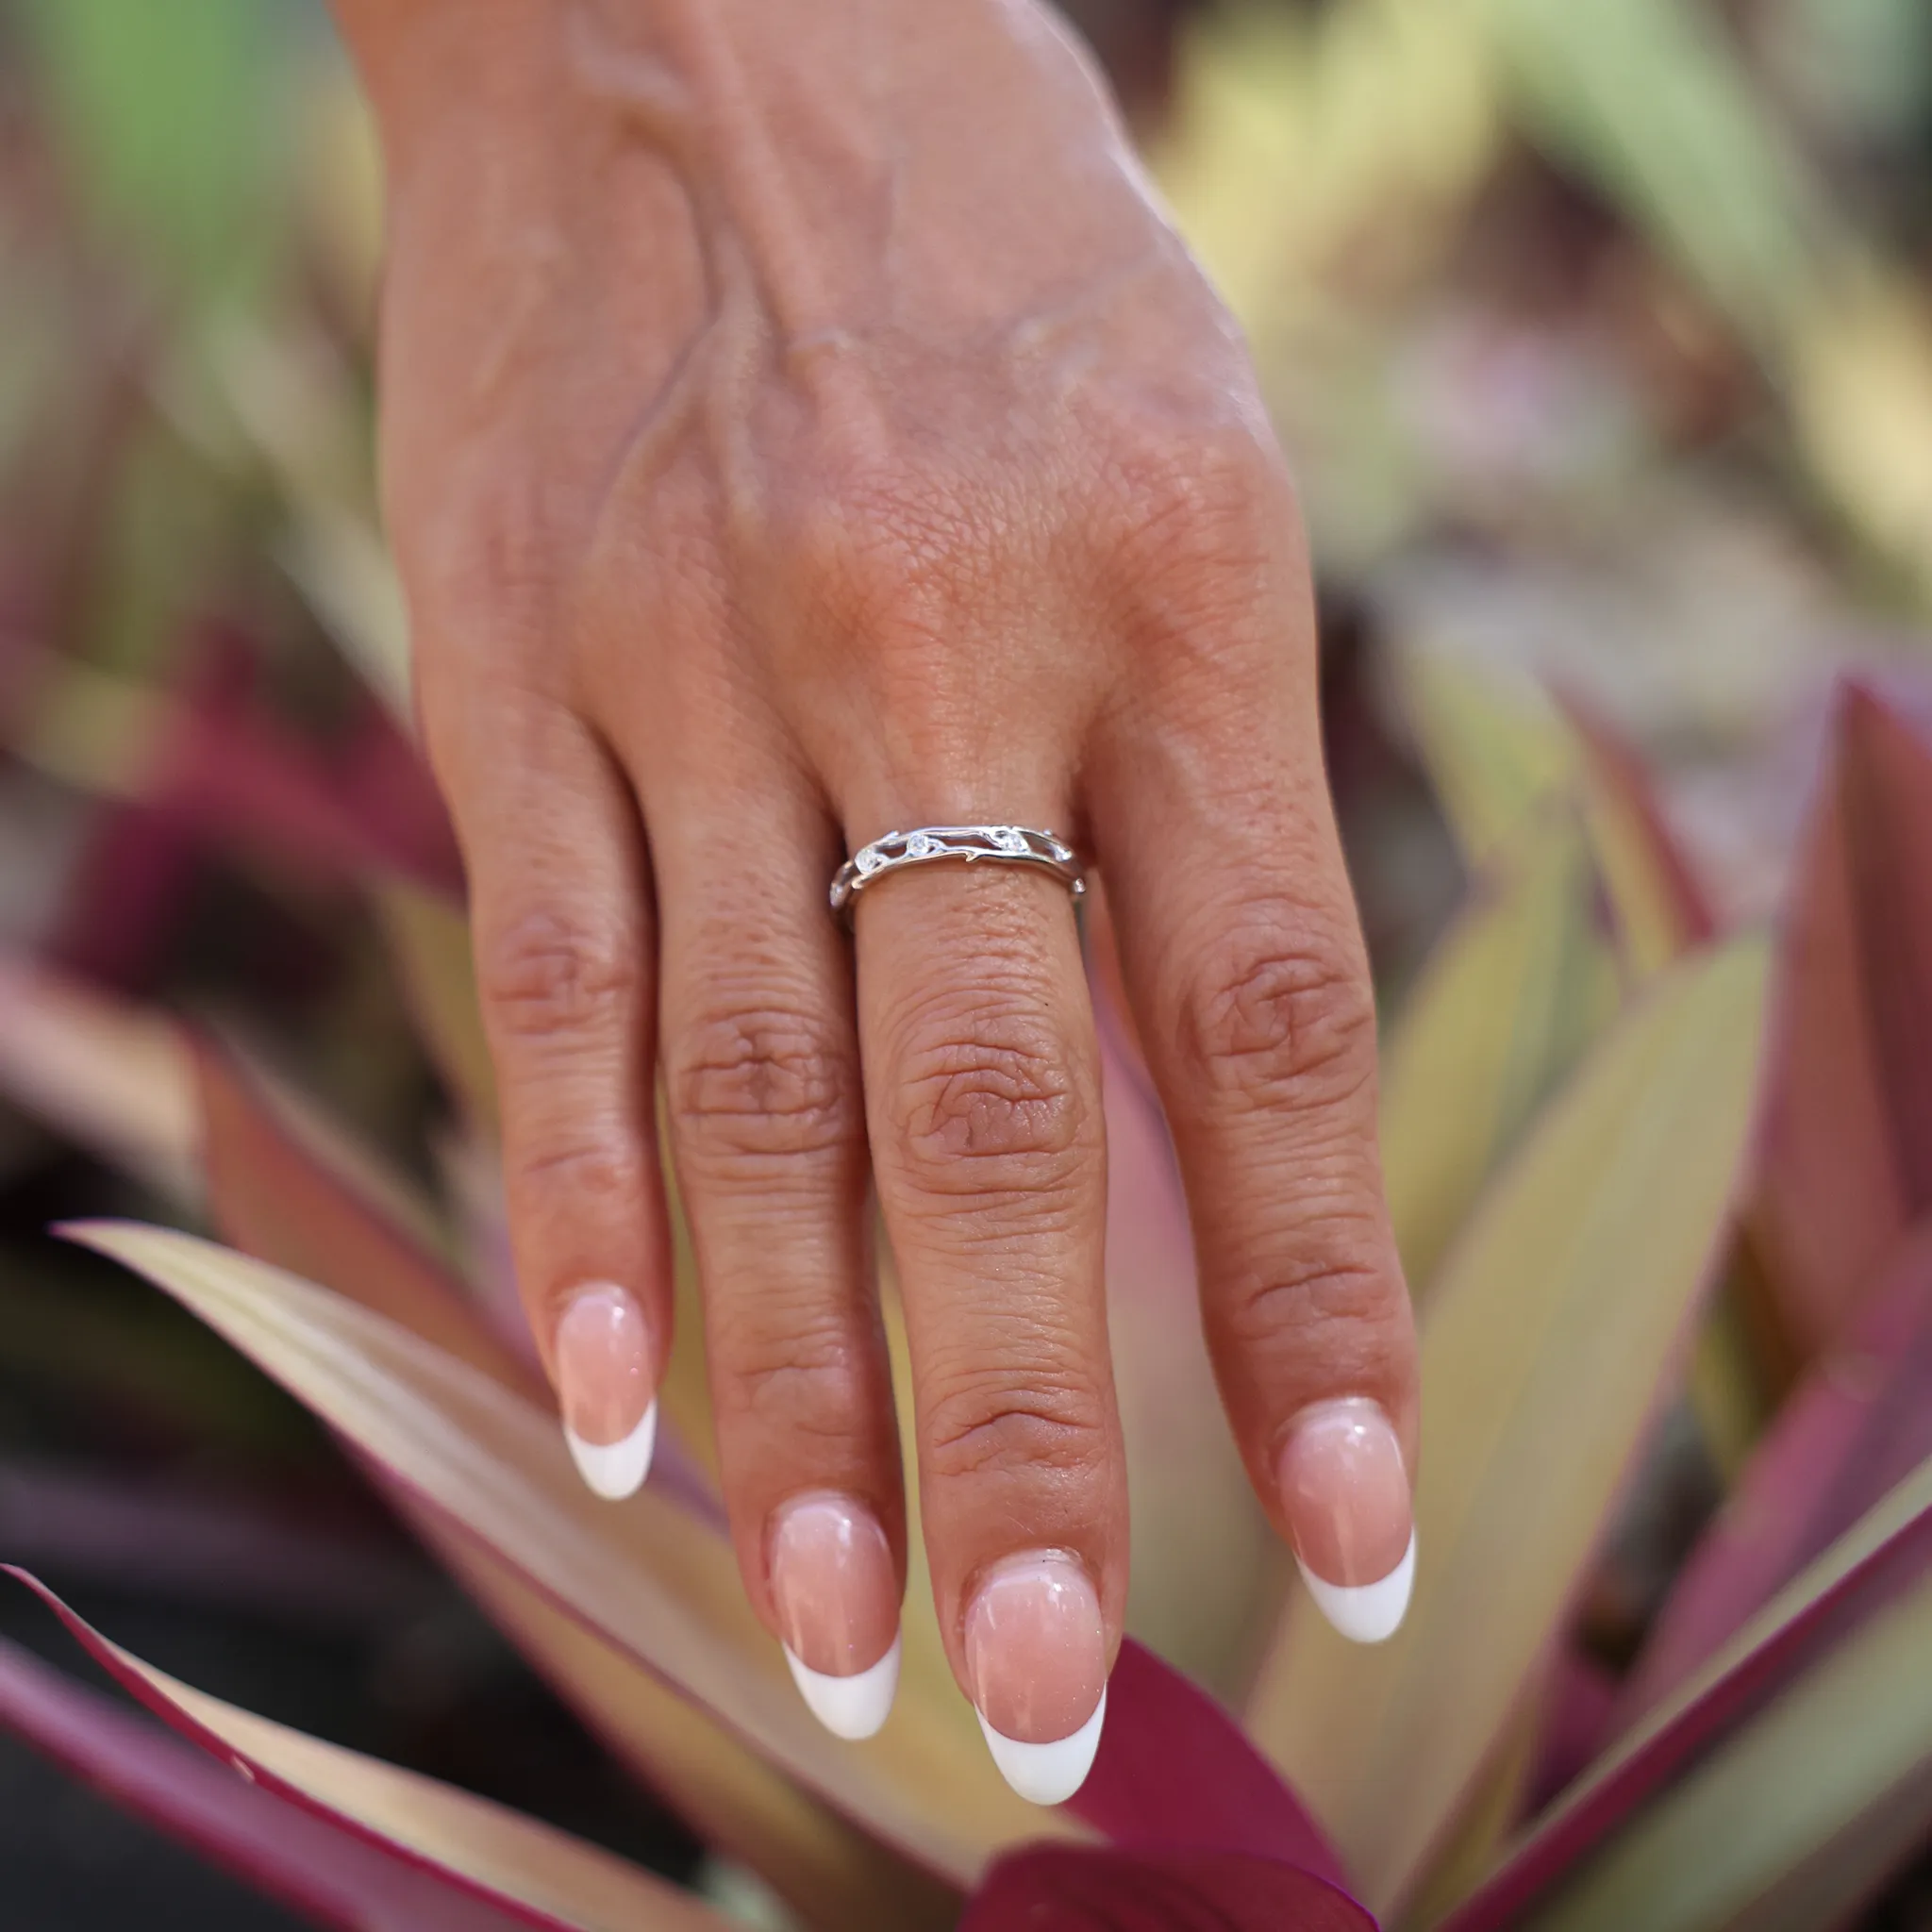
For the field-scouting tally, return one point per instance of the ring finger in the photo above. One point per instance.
(767, 1131)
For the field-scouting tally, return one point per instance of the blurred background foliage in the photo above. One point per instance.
(1600, 332)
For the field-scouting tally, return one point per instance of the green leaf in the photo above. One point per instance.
(652, 1579)
(1514, 992)
(284, 1183)
(1194, 1513)
(299, 1199)
(287, 1184)
(1497, 751)
(1545, 1349)
(165, 114)
(1502, 753)
(821, 1864)
(1795, 1819)
(302, 412)
(429, 944)
(1650, 98)
(1660, 907)
(501, 1852)
(1864, 1567)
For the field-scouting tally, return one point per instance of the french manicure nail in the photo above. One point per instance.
(837, 1602)
(1344, 1489)
(604, 1389)
(1036, 1656)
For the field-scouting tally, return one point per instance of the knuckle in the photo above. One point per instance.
(1210, 508)
(1046, 1425)
(803, 1373)
(552, 1165)
(757, 1081)
(869, 534)
(989, 1099)
(1340, 1313)
(547, 976)
(1281, 1021)
(891, 552)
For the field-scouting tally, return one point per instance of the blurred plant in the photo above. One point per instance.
(1326, 161)
(1512, 268)
(1569, 1120)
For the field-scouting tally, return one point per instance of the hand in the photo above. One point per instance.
(800, 423)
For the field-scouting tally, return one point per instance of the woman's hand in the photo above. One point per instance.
(800, 423)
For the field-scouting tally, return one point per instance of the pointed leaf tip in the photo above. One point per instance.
(1543, 1346)
(465, 1860)
(1175, 1770)
(660, 1585)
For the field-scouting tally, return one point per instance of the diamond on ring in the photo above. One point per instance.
(1004, 845)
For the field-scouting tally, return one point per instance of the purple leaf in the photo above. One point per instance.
(658, 1588)
(1579, 1701)
(190, 1543)
(126, 894)
(312, 1865)
(231, 768)
(1175, 1770)
(1845, 1155)
(468, 1849)
(1886, 793)
(1074, 1890)
(1890, 1547)
(1207, 1836)
(276, 1195)
(1860, 1422)
(223, 770)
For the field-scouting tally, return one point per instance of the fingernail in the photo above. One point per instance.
(1344, 1489)
(605, 1387)
(1036, 1655)
(838, 1604)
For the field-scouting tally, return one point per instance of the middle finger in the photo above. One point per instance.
(983, 1101)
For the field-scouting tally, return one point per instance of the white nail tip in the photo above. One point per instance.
(850, 1708)
(1366, 1612)
(616, 1469)
(1047, 1774)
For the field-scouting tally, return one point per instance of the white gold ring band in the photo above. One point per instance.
(930, 845)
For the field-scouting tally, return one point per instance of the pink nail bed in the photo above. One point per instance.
(1036, 1659)
(606, 1388)
(832, 1580)
(1036, 1648)
(837, 1596)
(1345, 1492)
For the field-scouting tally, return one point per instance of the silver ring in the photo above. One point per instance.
(1001, 844)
